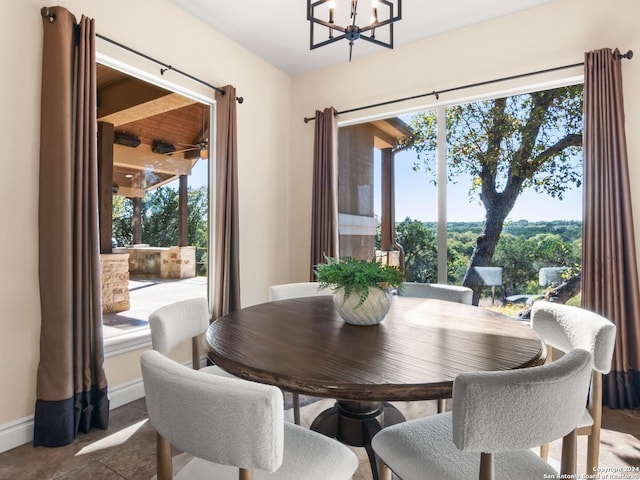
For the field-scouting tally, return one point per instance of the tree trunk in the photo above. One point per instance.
(560, 294)
(486, 244)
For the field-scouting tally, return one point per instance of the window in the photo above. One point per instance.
(493, 183)
(153, 150)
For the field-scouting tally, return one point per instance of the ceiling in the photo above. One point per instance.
(278, 31)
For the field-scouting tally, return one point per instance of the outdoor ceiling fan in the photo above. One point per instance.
(202, 145)
(201, 142)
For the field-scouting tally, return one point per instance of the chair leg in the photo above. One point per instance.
(442, 405)
(296, 408)
(245, 474)
(487, 469)
(569, 460)
(163, 458)
(384, 472)
(195, 352)
(593, 451)
(595, 408)
(544, 451)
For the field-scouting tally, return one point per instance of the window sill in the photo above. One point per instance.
(126, 342)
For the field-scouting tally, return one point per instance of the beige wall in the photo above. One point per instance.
(555, 34)
(275, 155)
(163, 31)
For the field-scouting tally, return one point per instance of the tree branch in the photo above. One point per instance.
(571, 140)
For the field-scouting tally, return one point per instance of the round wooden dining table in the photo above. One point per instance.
(303, 346)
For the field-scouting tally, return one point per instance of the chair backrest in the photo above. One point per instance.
(566, 327)
(520, 409)
(450, 293)
(220, 419)
(296, 290)
(487, 276)
(550, 275)
(173, 324)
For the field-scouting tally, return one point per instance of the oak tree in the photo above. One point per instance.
(506, 145)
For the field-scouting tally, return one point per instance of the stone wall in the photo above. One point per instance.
(166, 262)
(115, 282)
(179, 262)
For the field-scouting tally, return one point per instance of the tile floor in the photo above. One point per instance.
(127, 450)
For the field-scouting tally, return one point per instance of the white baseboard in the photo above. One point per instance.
(16, 433)
(19, 432)
(125, 393)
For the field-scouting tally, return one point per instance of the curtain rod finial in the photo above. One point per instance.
(628, 55)
(44, 11)
(240, 99)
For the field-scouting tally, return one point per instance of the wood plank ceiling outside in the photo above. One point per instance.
(150, 113)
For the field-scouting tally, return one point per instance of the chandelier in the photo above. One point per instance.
(337, 21)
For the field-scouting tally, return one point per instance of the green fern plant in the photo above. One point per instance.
(357, 276)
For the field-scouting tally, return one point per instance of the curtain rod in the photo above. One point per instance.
(165, 66)
(436, 94)
(44, 11)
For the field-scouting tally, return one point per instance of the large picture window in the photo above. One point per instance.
(154, 218)
(482, 194)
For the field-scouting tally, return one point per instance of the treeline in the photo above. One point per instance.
(569, 230)
(524, 248)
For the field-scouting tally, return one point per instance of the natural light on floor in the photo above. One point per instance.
(113, 440)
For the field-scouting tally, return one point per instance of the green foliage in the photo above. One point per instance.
(357, 276)
(524, 248)
(160, 217)
(421, 251)
(122, 215)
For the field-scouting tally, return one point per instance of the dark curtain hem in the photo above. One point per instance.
(56, 423)
(620, 390)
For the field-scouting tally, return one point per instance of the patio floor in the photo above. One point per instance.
(146, 294)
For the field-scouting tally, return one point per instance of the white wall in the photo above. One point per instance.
(163, 31)
(556, 34)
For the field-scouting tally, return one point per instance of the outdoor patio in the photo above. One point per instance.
(148, 293)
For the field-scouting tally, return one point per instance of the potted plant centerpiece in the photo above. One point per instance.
(361, 288)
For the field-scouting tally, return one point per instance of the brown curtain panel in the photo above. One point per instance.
(226, 264)
(609, 269)
(71, 383)
(324, 206)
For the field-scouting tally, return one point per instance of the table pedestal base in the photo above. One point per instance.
(355, 423)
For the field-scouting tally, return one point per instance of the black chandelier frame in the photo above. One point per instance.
(352, 31)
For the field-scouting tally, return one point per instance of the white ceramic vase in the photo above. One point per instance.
(371, 312)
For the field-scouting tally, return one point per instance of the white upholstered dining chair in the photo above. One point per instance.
(497, 418)
(450, 293)
(565, 328)
(296, 290)
(287, 291)
(178, 322)
(233, 428)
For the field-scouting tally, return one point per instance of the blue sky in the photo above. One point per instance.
(416, 198)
